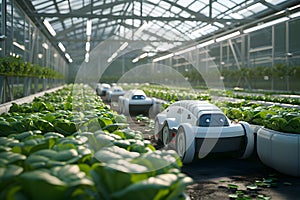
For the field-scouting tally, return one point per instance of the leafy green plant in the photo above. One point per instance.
(48, 149)
(15, 66)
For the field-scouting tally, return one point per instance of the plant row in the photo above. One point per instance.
(253, 74)
(15, 66)
(70, 145)
(273, 117)
(170, 94)
(256, 97)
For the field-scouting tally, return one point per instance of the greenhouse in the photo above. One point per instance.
(89, 89)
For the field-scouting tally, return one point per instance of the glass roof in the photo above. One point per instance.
(169, 23)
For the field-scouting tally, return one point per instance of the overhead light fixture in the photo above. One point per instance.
(135, 60)
(115, 54)
(226, 37)
(144, 55)
(40, 56)
(123, 46)
(163, 57)
(185, 50)
(19, 46)
(45, 45)
(151, 54)
(204, 44)
(294, 15)
(87, 57)
(67, 56)
(109, 60)
(89, 27)
(294, 7)
(87, 46)
(49, 27)
(61, 46)
(267, 24)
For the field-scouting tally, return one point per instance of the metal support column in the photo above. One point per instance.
(2, 89)
(3, 27)
(288, 53)
(273, 57)
(27, 86)
(237, 61)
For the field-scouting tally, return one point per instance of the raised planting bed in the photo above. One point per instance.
(70, 145)
(6, 106)
(279, 150)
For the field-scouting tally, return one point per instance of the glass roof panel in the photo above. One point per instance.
(240, 1)
(131, 22)
(205, 11)
(63, 6)
(164, 5)
(159, 28)
(235, 16)
(196, 6)
(75, 4)
(174, 23)
(219, 7)
(157, 12)
(44, 5)
(175, 9)
(191, 23)
(106, 11)
(245, 13)
(147, 8)
(218, 24)
(228, 3)
(258, 7)
(38, 2)
(185, 14)
(168, 14)
(98, 3)
(155, 1)
(182, 27)
(68, 22)
(118, 8)
(185, 3)
(49, 9)
(275, 2)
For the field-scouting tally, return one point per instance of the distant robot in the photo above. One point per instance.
(101, 89)
(136, 102)
(112, 95)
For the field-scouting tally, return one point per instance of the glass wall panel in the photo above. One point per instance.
(18, 35)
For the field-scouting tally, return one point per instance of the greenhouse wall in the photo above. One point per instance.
(263, 51)
(20, 37)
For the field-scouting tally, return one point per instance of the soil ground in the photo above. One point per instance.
(223, 177)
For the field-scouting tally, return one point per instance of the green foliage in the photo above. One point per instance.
(15, 66)
(48, 151)
(273, 117)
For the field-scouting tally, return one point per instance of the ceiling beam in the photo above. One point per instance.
(74, 14)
